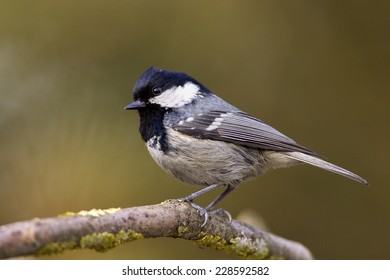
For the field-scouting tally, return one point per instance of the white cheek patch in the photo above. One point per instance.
(177, 96)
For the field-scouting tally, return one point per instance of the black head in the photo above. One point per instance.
(167, 89)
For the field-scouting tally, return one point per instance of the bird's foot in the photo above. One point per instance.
(204, 212)
(221, 212)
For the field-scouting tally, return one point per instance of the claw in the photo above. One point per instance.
(222, 211)
(202, 211)
(205, 212)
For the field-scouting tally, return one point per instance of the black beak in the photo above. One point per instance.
(135, 105)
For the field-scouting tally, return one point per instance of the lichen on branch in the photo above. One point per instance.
(102, 230)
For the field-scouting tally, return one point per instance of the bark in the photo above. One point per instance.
(105, 229)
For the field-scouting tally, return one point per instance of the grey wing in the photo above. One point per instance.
(239, 128)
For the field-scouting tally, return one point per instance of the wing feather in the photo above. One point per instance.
(239, 128)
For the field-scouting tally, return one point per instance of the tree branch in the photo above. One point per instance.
(105, 229)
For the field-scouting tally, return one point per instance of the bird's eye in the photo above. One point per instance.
(156, 90)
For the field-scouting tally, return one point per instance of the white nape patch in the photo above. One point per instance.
(176, 97)
(215, 124)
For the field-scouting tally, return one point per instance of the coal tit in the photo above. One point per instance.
(202, 140)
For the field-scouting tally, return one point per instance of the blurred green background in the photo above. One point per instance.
(316, 70)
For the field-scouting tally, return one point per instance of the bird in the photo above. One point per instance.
(202, 140)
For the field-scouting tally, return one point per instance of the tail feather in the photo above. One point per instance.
(315, 161)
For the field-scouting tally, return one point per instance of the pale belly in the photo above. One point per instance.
(208, 162)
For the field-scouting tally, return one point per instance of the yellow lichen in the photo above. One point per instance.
(250, 249)
(236, 246)
(181, 230)
(104, 241)
(100, 242)
(212, 241)
(166, 201)
(57, 247)
(92, 213)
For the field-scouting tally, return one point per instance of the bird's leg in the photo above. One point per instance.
(194, 195)
(218, 199)
(228, 189)
(205, 211)
(190, 198)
